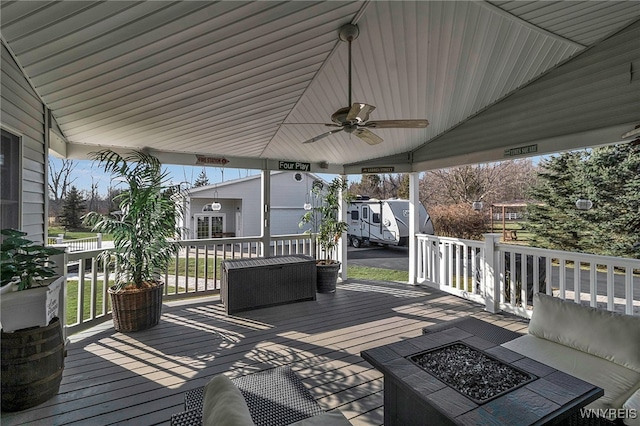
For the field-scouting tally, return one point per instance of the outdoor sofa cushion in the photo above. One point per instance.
(618, 382)
(223, 404)
(609, 335)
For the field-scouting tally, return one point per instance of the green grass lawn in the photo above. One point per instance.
(54, 231)
(379, 274)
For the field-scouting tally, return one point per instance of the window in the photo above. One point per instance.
(10, 180)
(354, 215)
(365, 213)
(375, 218)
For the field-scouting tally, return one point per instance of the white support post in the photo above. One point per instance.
(491, 273)
(342, 247)
(61, 263)
(414, 225)
(265, 214)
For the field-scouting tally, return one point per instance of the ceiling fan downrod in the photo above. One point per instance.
(348, 33)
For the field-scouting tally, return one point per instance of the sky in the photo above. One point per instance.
(88, 172)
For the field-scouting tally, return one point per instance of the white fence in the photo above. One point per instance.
(494, 274)
(487, 272)
(79, 244)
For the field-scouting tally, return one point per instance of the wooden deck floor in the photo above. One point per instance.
(140, 378)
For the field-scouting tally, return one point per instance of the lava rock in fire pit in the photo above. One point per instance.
(471, 372)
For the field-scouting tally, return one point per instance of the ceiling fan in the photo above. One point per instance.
(354, 119)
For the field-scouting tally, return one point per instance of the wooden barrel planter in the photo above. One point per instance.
(32, 365)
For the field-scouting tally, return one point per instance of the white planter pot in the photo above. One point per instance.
(34, 307)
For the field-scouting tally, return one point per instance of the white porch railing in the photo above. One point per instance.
(493, 274)
(195, 271)
(80, 244)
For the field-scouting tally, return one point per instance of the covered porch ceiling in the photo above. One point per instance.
(232, 79)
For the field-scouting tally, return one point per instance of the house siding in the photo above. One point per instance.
(287, 200)
(23, 113)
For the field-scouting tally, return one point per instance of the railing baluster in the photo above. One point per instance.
(80, 317)
(94, 288)
(610, 288)
(628, 288)
(593, 285)
(577, 280)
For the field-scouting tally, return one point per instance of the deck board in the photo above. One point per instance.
(140, 378)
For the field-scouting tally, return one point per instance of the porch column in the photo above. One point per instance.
(491, 273)
(265, 213)
(342, 247)
(414, 224)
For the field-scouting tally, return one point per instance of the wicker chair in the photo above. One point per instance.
(274, 397)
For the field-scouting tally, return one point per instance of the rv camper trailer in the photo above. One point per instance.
(383, 222)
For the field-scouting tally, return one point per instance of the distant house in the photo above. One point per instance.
(239, 213)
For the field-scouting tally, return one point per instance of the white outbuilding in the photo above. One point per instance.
(232, 208)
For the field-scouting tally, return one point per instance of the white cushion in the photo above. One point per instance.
(332, 418)
(632, 405)
(612, 336)
(618, 382)
(223, 404)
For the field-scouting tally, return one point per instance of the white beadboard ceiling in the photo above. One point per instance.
(232, 78)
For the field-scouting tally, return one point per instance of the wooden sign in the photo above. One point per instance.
(521, 150)
(204, 160)
(375, 170)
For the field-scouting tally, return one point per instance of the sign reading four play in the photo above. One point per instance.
(294, 166)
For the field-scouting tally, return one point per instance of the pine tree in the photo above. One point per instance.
(610, 178)
(73, 208)
(202, 179)
(614, 173)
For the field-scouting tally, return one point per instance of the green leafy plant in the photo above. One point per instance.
(144, 230)
(325, 217)
(23, 262)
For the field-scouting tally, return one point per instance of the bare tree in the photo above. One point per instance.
(490, 183)
(60, 181)
(92, 196)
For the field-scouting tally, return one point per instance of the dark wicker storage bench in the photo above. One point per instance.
(261, 282)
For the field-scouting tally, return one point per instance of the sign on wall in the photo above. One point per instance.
(521, 150)
(294, 166)
(374, 170)
(203, 160)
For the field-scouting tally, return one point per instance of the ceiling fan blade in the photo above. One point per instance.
(397, 124)
(324, 135)
(368, 136)
(360, 112)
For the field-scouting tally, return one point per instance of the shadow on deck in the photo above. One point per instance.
(115, 378)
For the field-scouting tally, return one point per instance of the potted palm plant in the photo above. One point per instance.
(144, 235)
(329, 230)
(32, 344)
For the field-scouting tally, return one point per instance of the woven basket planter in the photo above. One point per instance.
(327, 277)
(138, 309)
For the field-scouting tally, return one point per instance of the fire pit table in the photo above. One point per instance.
(419, 388)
